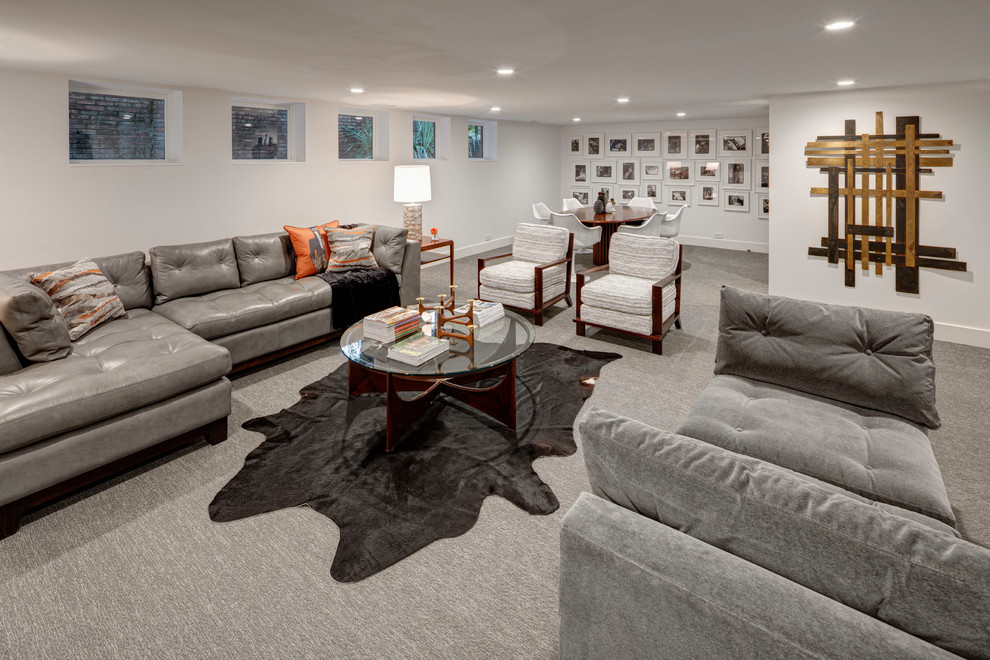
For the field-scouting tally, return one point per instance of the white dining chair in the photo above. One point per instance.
(650, 227)
(642, 202)
(571, 204)
(542, 212)
(671, 226)
(585, 238)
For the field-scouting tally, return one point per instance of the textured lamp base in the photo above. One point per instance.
(412, 219)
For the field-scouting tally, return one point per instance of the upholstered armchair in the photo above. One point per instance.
(538, 275)
(638, 292)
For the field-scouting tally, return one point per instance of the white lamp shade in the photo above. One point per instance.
(412, 183)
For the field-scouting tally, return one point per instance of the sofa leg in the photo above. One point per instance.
(579, 327)
(216, 431)
(10, 519)
(657, 346)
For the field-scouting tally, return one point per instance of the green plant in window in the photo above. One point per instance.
(476, 141)
(355, 137)
(424, 139)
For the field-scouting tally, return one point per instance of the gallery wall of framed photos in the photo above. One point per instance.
(719, 168)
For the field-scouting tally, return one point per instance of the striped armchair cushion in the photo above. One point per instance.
(650, 257)
(520, 276)
(608, 294)
(539, 243)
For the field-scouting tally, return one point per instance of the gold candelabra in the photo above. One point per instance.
(445, 314)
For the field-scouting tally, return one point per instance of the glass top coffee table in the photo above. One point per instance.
(496, 347)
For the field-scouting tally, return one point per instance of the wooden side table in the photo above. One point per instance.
(428, 243)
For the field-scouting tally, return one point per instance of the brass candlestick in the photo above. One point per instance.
(445, 314)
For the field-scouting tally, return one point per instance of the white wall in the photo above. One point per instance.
(956, 301)
(51, 211)
(699, 224)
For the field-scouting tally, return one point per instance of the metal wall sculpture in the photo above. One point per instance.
(895, 161)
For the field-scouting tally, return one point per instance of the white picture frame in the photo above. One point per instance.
(707, 170)
(674, 144)
(651, 169)
(653, 190)
(574, 145)
(603, 171)
(737, 174)
(624, 193)
(678, 172)
(594, 145)
(761, 175)
(598, 187)
(735, 143)
(763, 206)
(761, 144)
(703, 143)
(708, 194)
(579, 172)
(617, 144)
(582, 195)
(627, 171)
(735, 200)
(646, 144)
(677, 195)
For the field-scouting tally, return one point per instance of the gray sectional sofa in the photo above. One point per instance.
(143, 384)
(797, 512)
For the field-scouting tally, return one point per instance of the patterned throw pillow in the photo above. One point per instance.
(350, 249)
(310, 246)
(83, 295)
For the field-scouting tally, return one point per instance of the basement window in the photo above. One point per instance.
(482, 139)
(124, 125)
(431, 137)
(267, 132)
(362, 135)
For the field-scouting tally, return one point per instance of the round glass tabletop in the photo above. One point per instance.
(494, 344)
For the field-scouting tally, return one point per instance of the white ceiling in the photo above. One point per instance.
(709, 58)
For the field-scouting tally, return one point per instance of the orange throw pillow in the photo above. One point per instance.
(310, 246)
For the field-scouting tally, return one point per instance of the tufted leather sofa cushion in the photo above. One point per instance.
(871, 358)
(130, 362)
(33, 321)
(876, 455)
(264, 257)
(194, 268)
(8, 357)
(389, 247)
(222, 313)
(127, 272)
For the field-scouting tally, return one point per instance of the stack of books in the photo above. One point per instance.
(391, 324)
(484, 312)
(417, 350)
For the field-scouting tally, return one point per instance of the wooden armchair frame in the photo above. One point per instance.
(539, 305)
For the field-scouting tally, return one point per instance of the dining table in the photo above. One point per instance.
(610, 222)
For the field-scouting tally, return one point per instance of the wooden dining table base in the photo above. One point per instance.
(609, 222)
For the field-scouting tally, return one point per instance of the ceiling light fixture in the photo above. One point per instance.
(576, 119)
(682, 114)
(840, 25)
(496, 109)
(357, 90)
(505, 71)
(846, 83)
(622, 99)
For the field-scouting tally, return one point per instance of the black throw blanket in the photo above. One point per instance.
(357, 293)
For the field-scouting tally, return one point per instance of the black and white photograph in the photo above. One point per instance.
(646, 144)
(674, 144)
(737, 174)
(735, 200)
(678, 196)
(626, 193)
(763, 206)
(707, 171)
(701, 143)
(735, 143)
(594, 145)
(575, 145)
(761, 176)
(629, 170)
(678, 171)
(603, 171)
(582, 195)
(651, 190)
(651, 169)
(608, 190)
(708, 194)
(763, 137)
(579, 172)
(618, 144)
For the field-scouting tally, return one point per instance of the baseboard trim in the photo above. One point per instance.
(743, 246)
(961, 334)
(472, 250)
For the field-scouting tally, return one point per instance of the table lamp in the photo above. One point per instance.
(412, 188)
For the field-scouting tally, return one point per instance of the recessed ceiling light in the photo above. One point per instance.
(576, 119)
(357, 90)
(682, 114)
(840, 25)
(495, 108)
(505, 71)
(846, 83)
(622, 99)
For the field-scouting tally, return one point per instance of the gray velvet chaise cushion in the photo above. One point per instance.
(222, 313)
(115, 368)
(32, 320)
(877, 455)
(264, 257)
(927, 583)
(871, 358)
(187, 270)
(127, 272)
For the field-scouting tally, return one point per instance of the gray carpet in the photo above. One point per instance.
(136, 569)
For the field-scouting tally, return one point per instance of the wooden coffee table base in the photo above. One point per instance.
(497, 401)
